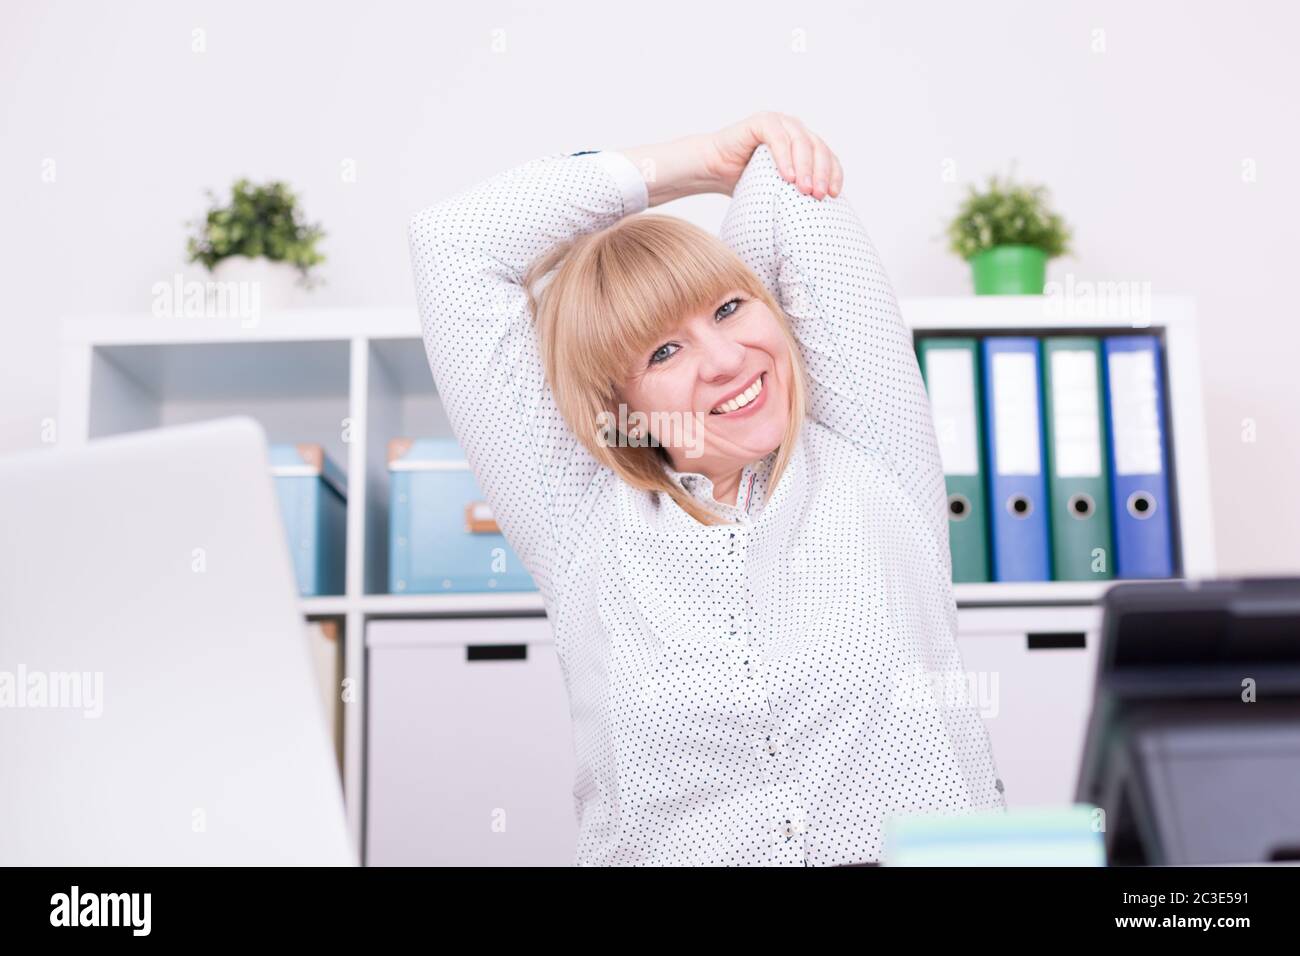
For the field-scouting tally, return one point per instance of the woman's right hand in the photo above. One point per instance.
(801, 155)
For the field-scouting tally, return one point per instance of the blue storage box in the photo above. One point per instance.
(313, 504)
(442, 536)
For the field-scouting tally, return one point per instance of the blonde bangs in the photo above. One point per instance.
(618, 310)
(641, 307)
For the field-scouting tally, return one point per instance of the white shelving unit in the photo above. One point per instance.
(352, 379)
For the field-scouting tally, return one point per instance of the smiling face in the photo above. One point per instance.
(730, 363)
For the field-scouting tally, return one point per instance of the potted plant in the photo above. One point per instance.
(259, 236)
(1007, 232)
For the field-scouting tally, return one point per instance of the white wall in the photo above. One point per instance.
(1143, 146)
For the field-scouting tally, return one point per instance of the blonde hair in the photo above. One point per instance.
(615, 295)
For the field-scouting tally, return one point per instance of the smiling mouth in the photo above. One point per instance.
(744, 399)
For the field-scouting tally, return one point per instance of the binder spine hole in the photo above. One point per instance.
(958, 507)
(1019, 506)
(1081, 505)
(1141, 505)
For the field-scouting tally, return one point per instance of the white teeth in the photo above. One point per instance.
(741, 400)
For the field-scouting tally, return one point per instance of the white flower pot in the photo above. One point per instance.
(273, 285)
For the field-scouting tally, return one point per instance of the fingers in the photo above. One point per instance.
(777, 137)
(802, 150)
(828, 175)
(823, 162)
(806, 160)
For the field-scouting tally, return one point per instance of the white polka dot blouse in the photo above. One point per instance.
(766, 691)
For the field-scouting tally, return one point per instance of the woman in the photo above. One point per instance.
(753, 615)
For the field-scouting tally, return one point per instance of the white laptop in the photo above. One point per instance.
(158, 702)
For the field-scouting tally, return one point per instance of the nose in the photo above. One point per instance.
(721, 357)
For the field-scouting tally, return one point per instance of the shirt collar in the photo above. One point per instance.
(700, 485)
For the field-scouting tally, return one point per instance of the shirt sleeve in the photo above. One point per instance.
(864, 382)
(469, 254)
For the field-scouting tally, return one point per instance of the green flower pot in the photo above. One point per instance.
(1009, 270)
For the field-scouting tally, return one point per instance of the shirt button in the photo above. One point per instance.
(787, 831)
(771, 746)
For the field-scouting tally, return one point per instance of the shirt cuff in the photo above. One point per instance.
(636, 197)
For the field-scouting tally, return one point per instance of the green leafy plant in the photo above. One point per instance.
(258, 221)
(1007, 213)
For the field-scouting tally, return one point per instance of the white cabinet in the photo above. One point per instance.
(469, 742)
(1034, 668)
(469, 747)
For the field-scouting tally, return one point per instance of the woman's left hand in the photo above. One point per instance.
(801, 156)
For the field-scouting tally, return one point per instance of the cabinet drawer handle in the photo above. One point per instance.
(1052, 640)
(496, 652)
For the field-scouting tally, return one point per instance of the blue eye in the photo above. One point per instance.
(727, 303)
(657, 356)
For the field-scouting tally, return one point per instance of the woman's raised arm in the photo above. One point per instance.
(470, 253)
(863, 378)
